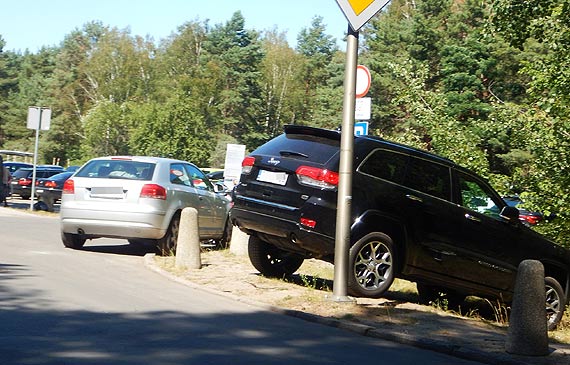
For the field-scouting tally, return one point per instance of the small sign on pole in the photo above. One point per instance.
(38, 118)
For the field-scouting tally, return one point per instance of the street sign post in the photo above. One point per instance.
(357, 12)
(38, 118)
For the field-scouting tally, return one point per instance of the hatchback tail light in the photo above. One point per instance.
(153, 191)
(247, 165)
(69, 187)
(317, 177)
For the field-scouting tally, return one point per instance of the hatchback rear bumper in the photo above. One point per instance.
(114, 225)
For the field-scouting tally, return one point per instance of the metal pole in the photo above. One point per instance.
(344, 200)
(33, 193)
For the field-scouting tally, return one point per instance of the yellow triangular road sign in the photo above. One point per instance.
(358, 12)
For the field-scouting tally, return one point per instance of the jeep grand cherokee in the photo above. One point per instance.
(415, 215)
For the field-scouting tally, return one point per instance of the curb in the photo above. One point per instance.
(556, 357)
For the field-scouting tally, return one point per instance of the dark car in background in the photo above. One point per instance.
(14, 166)
(529, 218)
(48, 190)
(414, 215)
(21, 183)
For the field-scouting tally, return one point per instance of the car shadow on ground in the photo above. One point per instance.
(122, 248)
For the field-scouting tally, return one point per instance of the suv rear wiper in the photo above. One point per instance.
(292, 153)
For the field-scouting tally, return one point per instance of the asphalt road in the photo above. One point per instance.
(100, 305)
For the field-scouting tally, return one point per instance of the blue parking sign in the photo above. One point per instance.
(361, 128)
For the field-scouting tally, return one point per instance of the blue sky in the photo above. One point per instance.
(31, 24)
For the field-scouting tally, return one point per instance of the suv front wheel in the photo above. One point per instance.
(372, 263)
(555, 302)
(271, 261)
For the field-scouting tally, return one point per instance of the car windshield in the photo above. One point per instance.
(117, 169)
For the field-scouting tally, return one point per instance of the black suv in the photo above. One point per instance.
(414, 215)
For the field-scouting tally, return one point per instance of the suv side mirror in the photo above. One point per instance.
(510, 213)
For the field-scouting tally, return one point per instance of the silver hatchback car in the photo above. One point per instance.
(139, 199)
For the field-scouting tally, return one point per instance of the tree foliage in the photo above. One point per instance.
(485, 84)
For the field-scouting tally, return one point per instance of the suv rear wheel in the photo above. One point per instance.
(271, 261)
(372, 263)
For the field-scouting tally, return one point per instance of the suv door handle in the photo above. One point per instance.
(472, 218)
(414, 198)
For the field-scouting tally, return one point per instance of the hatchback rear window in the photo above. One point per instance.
(117, 169)
(304, 147)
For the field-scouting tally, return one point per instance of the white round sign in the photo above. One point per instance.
(363, 80)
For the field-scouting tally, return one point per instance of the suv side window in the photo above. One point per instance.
(478, 197)
(385, 165)
(429, 177)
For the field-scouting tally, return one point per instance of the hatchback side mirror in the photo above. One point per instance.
(220, 188)
(510, 213)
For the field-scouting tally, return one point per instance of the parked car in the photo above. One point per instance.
(526, 216)
(14, 166)
(415, 215)
(21, 183)
(140, 198)
(72, 168)
(48, 190)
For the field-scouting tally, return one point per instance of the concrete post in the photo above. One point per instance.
(239, 242)
(528, 329)
(188, 244)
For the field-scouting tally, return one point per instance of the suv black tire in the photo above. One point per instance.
(271, 261)
(71, 240)
(373, 262)
(555, 304)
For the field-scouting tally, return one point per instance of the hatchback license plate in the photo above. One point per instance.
(279, 178)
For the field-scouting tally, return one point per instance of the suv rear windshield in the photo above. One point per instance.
(301, 146)
(117, 169)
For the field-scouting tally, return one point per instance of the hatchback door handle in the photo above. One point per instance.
(472, 218)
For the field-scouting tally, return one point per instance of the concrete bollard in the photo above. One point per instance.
(528, 329)
(239, 242)
(188, 244)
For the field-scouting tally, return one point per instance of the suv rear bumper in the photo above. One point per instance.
(284, 233)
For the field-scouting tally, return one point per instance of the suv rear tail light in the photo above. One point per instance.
(68, 187)
(153, 191)
(247, 165)
(308, 222)
(316, 177)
